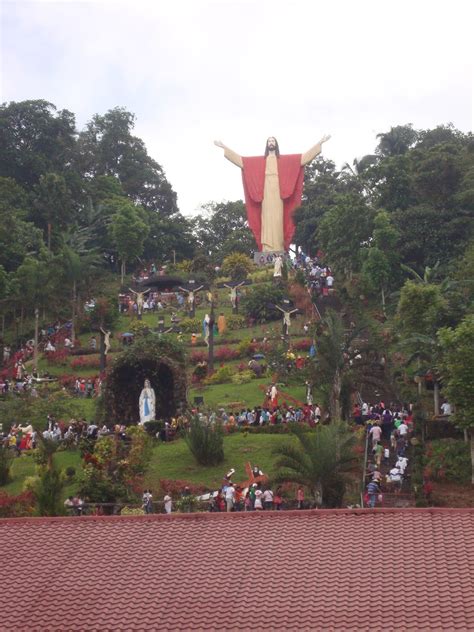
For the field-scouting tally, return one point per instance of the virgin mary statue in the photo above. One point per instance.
(147, 403)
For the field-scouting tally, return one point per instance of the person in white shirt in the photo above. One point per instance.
(329, 280)
(229, 497)
(402, 464)
(168, 503)
(268, 499)
(403, 429)
(395, 477)
(258, 499)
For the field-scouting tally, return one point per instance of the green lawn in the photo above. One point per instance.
(249, 395)
(25, 466)
(174, 460)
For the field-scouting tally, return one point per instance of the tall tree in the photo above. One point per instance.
(222, 228)
(35, 139)
(345, 228)
(107, 147)
(457, 365)
(397, 141)
(381, 265)
(128, 231)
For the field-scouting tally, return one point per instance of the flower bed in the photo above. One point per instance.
(86, 362)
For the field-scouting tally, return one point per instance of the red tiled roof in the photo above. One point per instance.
(310, 570)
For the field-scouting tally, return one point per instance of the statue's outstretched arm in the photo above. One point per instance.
(230, 154)
(314, 151)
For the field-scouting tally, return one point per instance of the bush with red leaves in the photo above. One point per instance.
(224, 354)
(58, 358)
(176, 487)
(16, 506)
(86, 362)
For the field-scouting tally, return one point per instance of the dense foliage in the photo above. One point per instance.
(205, 441)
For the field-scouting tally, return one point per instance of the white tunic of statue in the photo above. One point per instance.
(147, 403)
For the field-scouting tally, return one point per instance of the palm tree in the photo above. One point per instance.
(319, 461)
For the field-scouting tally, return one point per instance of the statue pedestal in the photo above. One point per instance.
(268, 258)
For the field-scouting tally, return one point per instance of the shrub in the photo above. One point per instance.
(237, 266)
(222, 375)
(256, 304)
(139, 328)
(131, 511)
(48, 490)
(86, 362)
(449, 459)
(224, 354)
(58, 358)
(70, 472)
(200, 372)
(242, 378)
(190, 325)
(198, 356)
(205, 441)
(6, 458)
(247, 348)
(301, 345)
(176, 487)
(152, 427)
(16, 506)
(262, 275)
(235, 321)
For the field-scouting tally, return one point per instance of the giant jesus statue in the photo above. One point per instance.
(273, 185)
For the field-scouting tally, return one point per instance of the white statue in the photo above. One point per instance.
(277, 266)
(106, 340)
(140, 300)
(147, 403)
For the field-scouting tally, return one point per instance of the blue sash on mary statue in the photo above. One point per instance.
(146, 408)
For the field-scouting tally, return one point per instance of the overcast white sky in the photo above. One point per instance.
(241, 70)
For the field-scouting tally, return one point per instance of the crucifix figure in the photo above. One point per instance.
(191, 298)
(139, 300)
(286, 318)
(234, 298)
(106, 335)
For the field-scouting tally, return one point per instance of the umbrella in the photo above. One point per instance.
(258, 356)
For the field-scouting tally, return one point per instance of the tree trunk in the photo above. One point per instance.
(122, 270)
(73, 313)
(210, 357)
(436, 397)
(335, 401)
(383, 301)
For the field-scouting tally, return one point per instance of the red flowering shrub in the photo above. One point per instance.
(198, 356)
(86, 362)
(16, 506)
(176, 487)
(68, 381)
(224, 354)
(301, 345)
(59, 357)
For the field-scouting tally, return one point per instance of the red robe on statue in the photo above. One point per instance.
(291, 179)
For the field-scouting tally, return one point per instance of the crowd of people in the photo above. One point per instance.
(389, 429)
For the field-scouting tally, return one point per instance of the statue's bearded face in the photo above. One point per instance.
(271, 143)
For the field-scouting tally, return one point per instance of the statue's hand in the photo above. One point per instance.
(324, 139)
(219, 143)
